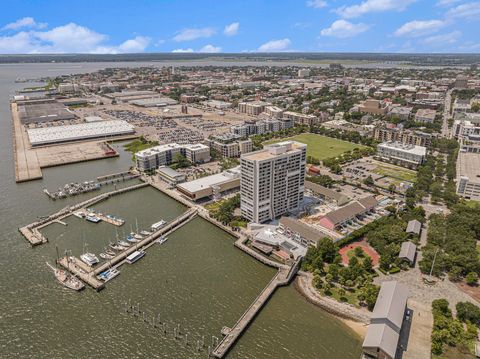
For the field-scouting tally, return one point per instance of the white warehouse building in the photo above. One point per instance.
(81, 131)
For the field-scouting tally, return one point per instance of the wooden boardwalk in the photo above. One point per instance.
(281, 278)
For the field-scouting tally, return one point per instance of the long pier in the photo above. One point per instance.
(89, 274)
(281, 278)
(31, 231)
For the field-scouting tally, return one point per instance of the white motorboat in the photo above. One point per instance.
(135, 256)
(109, 274)
(89, 258)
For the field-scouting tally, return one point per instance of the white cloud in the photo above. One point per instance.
(232, 29)
(70, 38)
(470, 11)
(317, 4)
(194, 33)
(439, 40)
(138, 44)
(419, 27)
(183, 51)
(372, 6)
(25, 22)
(210, 49)
(344, 29)
(447, 2)
(275, 45)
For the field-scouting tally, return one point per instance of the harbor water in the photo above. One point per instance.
(195, 283)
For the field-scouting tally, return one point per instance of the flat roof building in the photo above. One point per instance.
(170, 176)
(211, 186)
(468, 175)
(81, 131)
(410, 156)
(272, 181)
(163, 155)
(42, 110)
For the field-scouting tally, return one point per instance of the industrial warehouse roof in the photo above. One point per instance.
(407, 251)
(42, 110)
(383, 337)
(55, 134)
(340, 198)
(302, 229)
(414, 226)
(154, 101)
(391, 303)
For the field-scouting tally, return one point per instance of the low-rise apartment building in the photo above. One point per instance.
(163, 155)
(230, 145)
(406, 137)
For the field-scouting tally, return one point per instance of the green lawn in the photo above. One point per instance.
(321, 147)
(401, 174)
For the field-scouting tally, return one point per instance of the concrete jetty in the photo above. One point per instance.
(31, 231)
(81, 271)
(281, 278)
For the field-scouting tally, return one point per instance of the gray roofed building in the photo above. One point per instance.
(408, 251)
(380, 337)
(325, 192)
(342, 214)
(386, 321)
(307, 234)
(391, 304)
(368, 202)
(414, 227)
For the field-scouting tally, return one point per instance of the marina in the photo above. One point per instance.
(89, 274)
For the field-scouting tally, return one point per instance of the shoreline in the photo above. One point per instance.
(356, 319)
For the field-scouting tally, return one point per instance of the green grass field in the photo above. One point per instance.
(321, 147)
(399, 173)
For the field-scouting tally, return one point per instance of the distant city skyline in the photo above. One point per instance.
(209, 26)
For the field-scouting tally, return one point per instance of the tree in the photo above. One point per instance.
(472, 278)
(467, 311)
(392, 188)
(369, 181)
(359, 252)
(370, 293)
(327, 249)
(367, 264)
(180, 161)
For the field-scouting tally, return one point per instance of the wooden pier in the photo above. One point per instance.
(281, 278)
(31, 231)
(82, 271)
(89, 274)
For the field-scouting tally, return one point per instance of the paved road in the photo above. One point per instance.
(446, 115)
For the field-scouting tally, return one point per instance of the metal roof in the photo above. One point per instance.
(340, 198)
(408, 251)
(391, 303)
(414, 226)
(383, 337)
(302, 229)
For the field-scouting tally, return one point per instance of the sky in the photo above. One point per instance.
(233, 26)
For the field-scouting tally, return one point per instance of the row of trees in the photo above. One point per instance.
(334, 162)
(224, 211)
(460, 332)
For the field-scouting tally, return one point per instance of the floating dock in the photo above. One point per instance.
(281, 278)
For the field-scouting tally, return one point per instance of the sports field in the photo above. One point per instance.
(321, 147)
